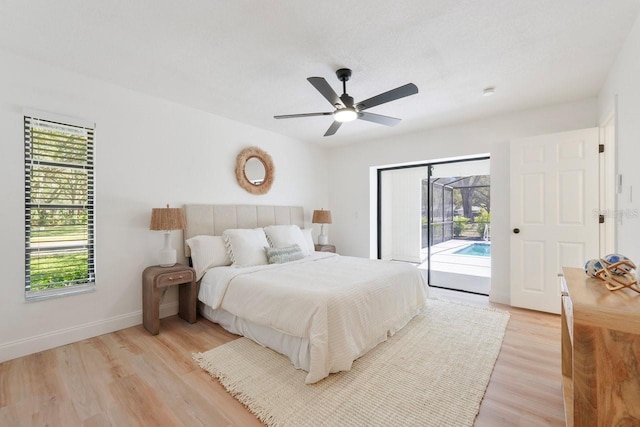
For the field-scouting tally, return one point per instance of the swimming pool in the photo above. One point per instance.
(475, 249)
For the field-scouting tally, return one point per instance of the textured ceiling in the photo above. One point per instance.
(249, 60)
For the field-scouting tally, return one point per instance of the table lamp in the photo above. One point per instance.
(322, 217)
(167, 219)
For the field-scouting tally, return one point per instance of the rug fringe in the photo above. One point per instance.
(257, 410)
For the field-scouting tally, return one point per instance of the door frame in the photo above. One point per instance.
(609, 185)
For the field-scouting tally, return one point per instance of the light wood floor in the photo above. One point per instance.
(129, 377)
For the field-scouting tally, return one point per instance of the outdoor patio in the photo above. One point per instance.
(469, 273)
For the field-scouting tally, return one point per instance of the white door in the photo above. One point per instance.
(554, 213)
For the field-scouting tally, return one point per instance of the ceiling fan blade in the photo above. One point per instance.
(380, 119)
(293, 116)
(327, 91)
(333, 128)
(392, 95)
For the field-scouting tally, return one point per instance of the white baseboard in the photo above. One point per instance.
(37, 343)
(500, 298)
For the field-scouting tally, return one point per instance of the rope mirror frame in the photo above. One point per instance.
(241, 162)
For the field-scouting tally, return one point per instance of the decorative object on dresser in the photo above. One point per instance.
(167, 219)
(617, 271)
(325, 248)
(322, 217)
(254, 170)
(155, 281)
(600, 352)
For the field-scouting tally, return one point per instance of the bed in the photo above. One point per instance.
(321, 310)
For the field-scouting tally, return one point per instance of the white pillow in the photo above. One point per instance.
(283, 236)
(306, 232)
(246, 246)
(207, 252)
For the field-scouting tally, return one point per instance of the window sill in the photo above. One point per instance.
(59, 292)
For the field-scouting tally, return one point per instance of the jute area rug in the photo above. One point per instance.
(433, 372)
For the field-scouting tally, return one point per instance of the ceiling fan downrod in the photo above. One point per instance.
(343, 75)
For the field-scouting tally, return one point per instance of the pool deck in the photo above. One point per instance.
(465, 272)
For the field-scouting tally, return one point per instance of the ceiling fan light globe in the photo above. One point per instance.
(345, 115)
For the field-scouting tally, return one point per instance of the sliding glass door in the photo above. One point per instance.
(437, 216)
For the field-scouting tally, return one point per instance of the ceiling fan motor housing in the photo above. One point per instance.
(346, 100)
(343, 74)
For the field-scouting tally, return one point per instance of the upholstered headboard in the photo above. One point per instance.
(212, 220)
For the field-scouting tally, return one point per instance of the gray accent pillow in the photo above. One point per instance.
(282, 236)
(282, 255)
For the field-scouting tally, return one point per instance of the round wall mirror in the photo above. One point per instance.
(254, 170)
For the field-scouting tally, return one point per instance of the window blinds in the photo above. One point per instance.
(59, 206)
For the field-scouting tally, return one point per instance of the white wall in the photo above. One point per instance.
(623, 80)
(351, 176)
(149, 152)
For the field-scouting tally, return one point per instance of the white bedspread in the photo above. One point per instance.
(345, 306)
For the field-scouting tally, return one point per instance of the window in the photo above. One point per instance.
(59, 207)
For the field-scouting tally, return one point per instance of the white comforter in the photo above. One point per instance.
(344, 306)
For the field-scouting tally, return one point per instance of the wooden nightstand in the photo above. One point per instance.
(154, 279)
(326, 248)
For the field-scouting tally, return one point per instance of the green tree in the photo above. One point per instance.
(459, 222)
(482, 220)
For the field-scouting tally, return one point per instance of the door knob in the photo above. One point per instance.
(516, 230)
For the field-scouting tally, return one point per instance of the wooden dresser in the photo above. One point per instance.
(600, 352)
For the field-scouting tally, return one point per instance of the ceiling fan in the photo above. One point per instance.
(346, 109)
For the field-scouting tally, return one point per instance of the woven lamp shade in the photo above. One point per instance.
(321, 217)
(167, 219)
